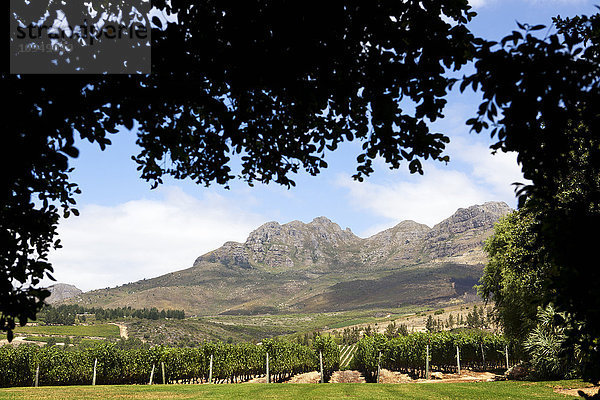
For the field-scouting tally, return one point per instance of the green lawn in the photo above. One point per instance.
(99, 330)
(433, 391)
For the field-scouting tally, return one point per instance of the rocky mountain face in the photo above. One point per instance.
(62, 291)
(295, 245)
(318, 266)
(322, 244)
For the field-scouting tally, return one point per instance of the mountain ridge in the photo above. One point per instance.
(318, 266)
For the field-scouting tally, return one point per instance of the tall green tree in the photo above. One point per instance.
(515, 274)
(430, 324)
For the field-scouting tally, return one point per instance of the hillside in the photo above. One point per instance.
(318, 267)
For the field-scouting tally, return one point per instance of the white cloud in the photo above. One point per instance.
(482, 3)
(496, 172)
(138, 239)
(477, 3)
(473, 176)
(426, 199)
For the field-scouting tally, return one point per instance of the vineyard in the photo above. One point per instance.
(96, 330)
(408, 354)
(218, 362)
(211, 362)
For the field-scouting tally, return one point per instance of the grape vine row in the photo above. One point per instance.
(231, 363)
(407, 354)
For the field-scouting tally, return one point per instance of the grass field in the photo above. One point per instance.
(99, 330)
(46, 339)
(432, 391)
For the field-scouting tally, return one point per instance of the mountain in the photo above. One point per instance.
(62, 291)
(318, 267)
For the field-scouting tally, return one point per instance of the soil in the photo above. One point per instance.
(20, 340)
(397, 377)
(465, 376)
(347, 377)
(122, 329)
(387, 376)
(309, 377)
(262, 379)
(590, 391)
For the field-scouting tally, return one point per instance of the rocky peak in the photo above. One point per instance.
(323, 221)
(464, 232)
(322, 243)
(405, 230)
(62, 291)
(399, 244)
(231, 253)
(330, 231)
(482, 216)
(266, 232)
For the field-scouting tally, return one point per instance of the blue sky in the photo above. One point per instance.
(127, 232)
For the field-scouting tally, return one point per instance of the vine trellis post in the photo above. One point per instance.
(458, 359)
(268, 372)
(94, 377)
(151, 374)
(321, 365)
(427, 363)
(378, 366)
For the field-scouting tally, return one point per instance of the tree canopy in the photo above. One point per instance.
(541, 99)
(277, 85)
(515, 274)
(274, 84)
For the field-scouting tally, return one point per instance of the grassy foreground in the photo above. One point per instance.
(437, 391)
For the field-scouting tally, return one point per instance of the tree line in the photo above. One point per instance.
(67, 313)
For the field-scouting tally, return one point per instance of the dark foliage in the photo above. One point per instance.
(541, 99)
(273, 85)
(59, 314)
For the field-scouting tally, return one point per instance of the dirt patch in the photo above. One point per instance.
(308, 377)
(262, 379)
(122, 329)
(465, 376)
(20, 340)
(347, 377)
(590, 391)
(387, 376)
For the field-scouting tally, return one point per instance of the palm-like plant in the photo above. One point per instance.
(546, 346)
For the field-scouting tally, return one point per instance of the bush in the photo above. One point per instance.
(547, 350)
